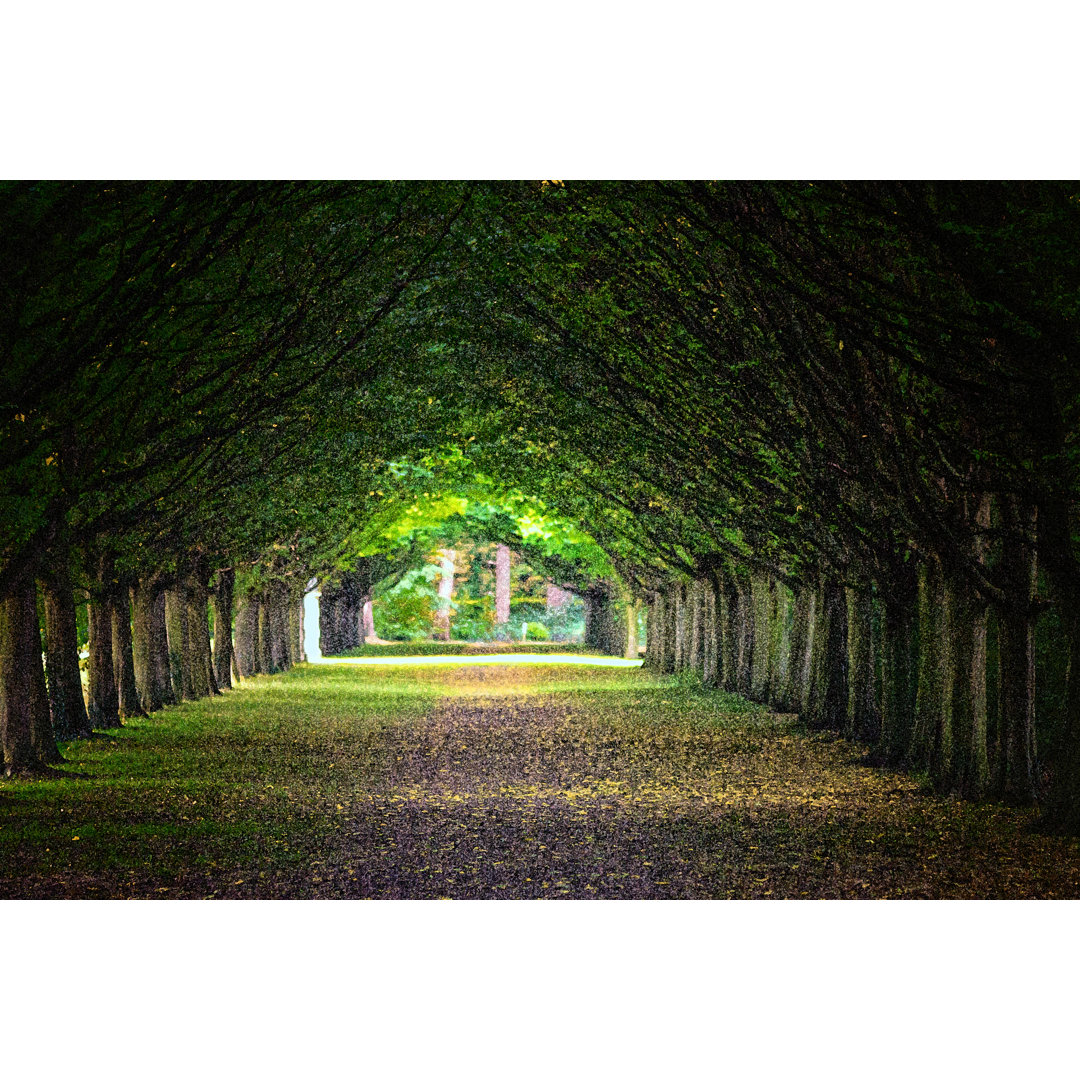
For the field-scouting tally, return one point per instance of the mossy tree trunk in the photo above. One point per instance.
(176, 624)
(27, 743)
(150, 645)
(246, 634)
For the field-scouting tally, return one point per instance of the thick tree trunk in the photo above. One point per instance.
(247, 636)
(179, 639)
(759, 662)
(863, 717)
(695, 657)
(123, 659)
(604, 629)
(960, 762)
(729, 634)
(66, 702)
(933, 643)
(1016, 658)
(27, 742)
(276, 602)
(264, 656)
(150, 645)
(198, 621)
(898, 676)
(103, 704)
(779, 645)
(223, 643)
(829, 678)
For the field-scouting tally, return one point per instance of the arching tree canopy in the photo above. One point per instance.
(827, 431)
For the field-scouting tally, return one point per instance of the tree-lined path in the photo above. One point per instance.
(480, 781)
(818, 443)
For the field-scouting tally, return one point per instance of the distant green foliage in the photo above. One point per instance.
(471, 648)
(535, 631)
(405, 611)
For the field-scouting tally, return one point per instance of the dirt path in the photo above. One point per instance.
(483, 782)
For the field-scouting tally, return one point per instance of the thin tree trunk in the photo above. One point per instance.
(223, 616)
(729, 634)
(931, 671)
(123, 660)
(695, 659)
(103, 704)
(369, 621)
(632, 608)
(711, 664)
(446, 592)
(502, 585)
(680, 643)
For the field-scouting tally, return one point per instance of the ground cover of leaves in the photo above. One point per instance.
(499, 782)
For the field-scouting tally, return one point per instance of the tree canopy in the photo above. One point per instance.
(779, 413)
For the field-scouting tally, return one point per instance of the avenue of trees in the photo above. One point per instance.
(826, 432)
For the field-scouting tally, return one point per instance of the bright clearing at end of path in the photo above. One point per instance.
(488, 658)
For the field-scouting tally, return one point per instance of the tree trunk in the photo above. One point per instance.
(27, 742)
(932, 661)
(759, 661)
(179, 639)
(198, 621)
(223, 644)
(369, 621)
(632, 608)
(150, 645)
(123, 660)
(829, 681)
(103, 704)
(678, 608)
(502, 585)
(779, 645)
(744, 639)
(1016, 658)
(863, 719)
(66, 702)
(276, 602)
(666, 630)
(247, 636)
(695, 628)
(711, 661)
(296, 625)
(264, 657)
